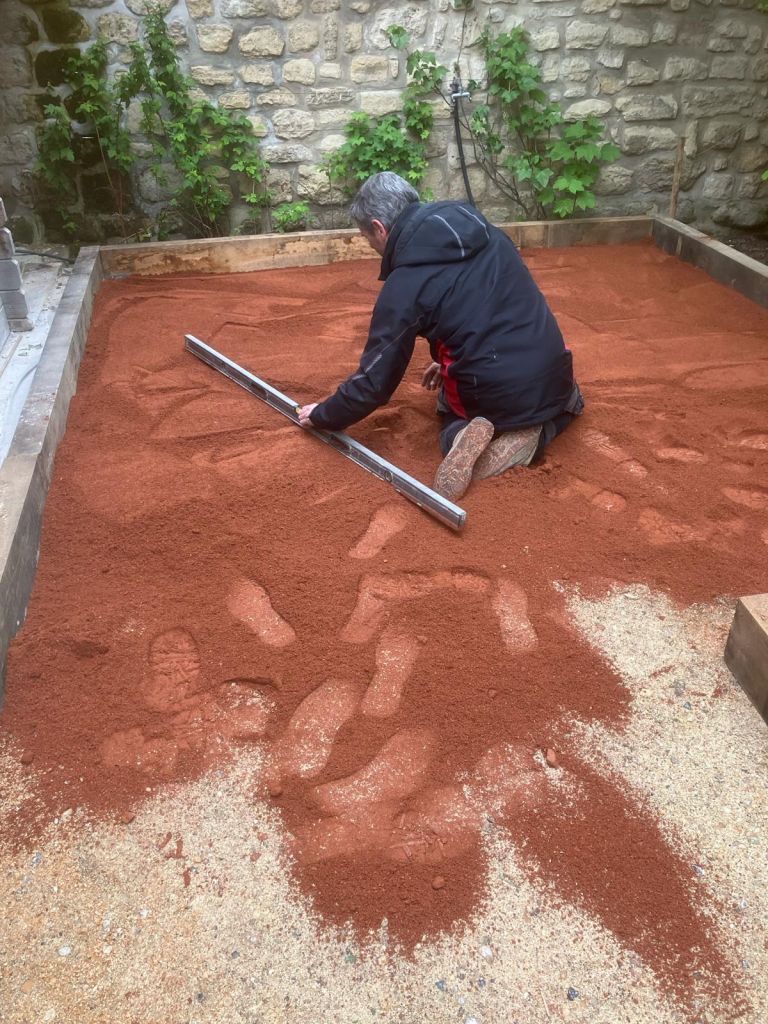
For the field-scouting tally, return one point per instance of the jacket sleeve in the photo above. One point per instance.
(394, 327)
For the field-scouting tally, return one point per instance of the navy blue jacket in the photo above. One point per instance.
(456, 280)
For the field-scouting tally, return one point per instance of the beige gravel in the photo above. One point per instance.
(98, 924)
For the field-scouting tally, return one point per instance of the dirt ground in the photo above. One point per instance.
(278, 747)
(751, 243)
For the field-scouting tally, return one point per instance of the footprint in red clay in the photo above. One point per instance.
(600, 497)
(510, 604)
(660, 529)
(729, 376)
(435, 826)
(173, 670)
(603, 445)
(236, 711)
(249, 603)
(753, 497)
(378, 596)
(427, 826)
(362, 830)
(753, 439)
(386, 523)
(395, 772)
(680, 454)
(194, 718)
(369, 615)
(396, 654)
(305, 746)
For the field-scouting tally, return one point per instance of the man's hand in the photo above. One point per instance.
(431, 377)
(304, 413)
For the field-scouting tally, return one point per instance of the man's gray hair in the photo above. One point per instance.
(382, 197)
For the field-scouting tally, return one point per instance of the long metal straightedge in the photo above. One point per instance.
(418, 493)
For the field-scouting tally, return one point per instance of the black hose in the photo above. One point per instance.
(45, 255)
(456, 88)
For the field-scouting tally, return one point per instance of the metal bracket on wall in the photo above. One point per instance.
(427, 499)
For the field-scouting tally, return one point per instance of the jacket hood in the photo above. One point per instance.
(433, 233)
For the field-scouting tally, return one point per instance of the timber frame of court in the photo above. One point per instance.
(25, 475)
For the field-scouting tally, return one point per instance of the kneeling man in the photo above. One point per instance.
(505, 377)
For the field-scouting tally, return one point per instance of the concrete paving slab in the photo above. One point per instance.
(25, 473)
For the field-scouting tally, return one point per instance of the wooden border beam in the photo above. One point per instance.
(746, 653)
(241, 254)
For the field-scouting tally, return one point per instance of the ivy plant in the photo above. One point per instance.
(98, 105)
(292, 217)
(374, 145)
(393, 142)
(203, 144)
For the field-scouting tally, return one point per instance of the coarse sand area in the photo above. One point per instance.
(278, 747)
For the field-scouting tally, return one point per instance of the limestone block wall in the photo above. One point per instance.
(655, 71)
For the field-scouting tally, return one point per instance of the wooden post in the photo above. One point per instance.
(746, 653)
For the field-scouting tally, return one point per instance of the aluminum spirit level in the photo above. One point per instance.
(418, 493)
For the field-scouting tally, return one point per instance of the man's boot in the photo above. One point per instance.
(513, 448)
(455, 471)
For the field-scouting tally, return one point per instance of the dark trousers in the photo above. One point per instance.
(452, 423)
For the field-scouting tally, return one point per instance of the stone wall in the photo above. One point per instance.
(654, 70)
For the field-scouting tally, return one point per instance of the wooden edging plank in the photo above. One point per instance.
(722, 262)
(746, 653)
(305, 248)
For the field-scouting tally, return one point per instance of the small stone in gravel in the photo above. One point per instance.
(127, 817)
(486, 951)
(438, 882)
(440, 985)
(27, 757)
(275, 790)
(573, 993)
(65, 950)
(551, 757)
(698, 870)
(27, 986)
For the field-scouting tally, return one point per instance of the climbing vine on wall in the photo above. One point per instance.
(520, 138)
(390, 143)
(196, 148)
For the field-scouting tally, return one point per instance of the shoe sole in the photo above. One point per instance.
(515, 448)
(454, 473)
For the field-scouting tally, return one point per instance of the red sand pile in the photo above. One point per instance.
(211, 576)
